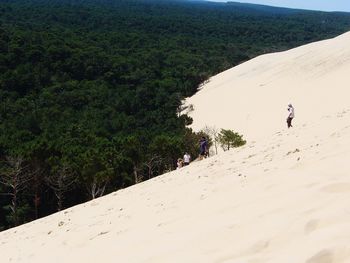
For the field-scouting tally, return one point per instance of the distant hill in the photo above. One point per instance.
(265, 8)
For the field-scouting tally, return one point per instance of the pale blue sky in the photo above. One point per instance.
(324, 5)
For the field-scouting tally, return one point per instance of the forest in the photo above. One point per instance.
(91, 90)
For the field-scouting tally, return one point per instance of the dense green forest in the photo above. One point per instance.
(91, 90)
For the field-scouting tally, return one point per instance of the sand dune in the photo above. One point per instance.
(283, 197)
(314, 78)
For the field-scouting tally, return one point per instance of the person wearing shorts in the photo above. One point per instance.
(187, 159)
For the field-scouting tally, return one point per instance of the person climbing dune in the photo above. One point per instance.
(187, 159)
(203, 148)
(290, 115)
(179, 163)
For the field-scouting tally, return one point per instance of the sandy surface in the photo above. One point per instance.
(314, 78)
(282, 198)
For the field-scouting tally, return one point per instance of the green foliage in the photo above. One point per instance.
(230, 139)
(91, 90)
(21, 216)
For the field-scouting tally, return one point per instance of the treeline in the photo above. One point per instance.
(91, 90)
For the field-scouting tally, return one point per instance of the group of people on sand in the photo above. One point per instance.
(203, 143)
(203, 153)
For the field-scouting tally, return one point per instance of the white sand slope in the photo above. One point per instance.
(282, 199)
(252, 98)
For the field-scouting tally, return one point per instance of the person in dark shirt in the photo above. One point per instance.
(290, 115)
(203, 148)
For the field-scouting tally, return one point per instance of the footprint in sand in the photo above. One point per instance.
(335, 134)
(250, 156)
(324, 256)
(99, 234)
(311, 226)
(259, 246)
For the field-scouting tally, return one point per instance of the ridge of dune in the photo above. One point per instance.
(254, 95)
(280, 198)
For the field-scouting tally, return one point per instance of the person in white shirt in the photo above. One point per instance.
(290, 115)
(187, 159)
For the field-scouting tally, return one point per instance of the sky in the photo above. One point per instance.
(323, 5)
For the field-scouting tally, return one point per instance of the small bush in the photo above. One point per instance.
(230, 139)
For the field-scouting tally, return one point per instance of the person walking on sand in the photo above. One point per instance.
(290, 115)
(187, 159)
(179, 163)
(203, 145)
